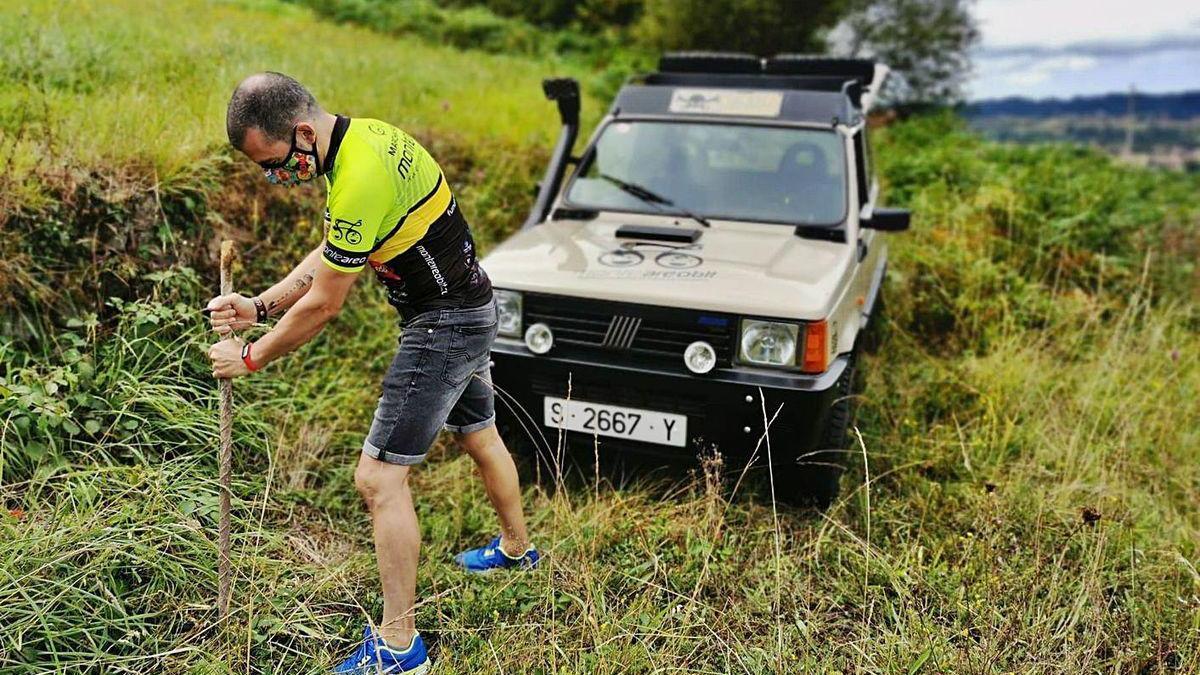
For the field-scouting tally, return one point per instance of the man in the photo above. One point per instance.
(388, 206)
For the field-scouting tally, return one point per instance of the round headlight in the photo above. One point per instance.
(700, 357)
(769, 344)
(508, 306)
(539, 339)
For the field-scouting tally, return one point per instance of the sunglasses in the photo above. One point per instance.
(281, 163)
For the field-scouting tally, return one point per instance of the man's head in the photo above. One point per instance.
(272, 118)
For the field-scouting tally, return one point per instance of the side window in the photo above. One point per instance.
(862, 164)
(869, 159)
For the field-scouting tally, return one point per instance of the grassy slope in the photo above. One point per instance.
(1026, 376)
(117, 87)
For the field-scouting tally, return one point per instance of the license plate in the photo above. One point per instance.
(616, 421)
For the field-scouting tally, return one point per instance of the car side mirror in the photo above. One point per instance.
(888, 220)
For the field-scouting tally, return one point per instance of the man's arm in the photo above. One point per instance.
(320, 303)
(294, 286)
(356, 211)
(236, 311)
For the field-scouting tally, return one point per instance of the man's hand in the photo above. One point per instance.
(226, 358)
(231, 312)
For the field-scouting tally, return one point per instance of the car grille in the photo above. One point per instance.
(631, 332)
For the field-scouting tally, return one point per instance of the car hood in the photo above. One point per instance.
(741, 268)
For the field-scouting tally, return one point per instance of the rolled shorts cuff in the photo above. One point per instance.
(473, 427)
(390, 457)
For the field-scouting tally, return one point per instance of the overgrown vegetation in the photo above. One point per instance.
(1025, 497)
(602, 59)
(926, 42)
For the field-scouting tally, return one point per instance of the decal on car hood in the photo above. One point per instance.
(651, 261)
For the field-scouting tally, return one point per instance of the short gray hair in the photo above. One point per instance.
(270, 102)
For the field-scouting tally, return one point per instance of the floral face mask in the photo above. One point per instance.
(298, 167)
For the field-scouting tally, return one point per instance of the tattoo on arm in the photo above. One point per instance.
(301, 284)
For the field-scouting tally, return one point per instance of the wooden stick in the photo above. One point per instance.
(225, 386)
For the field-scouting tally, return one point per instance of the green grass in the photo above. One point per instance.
(106, 84)
(1040, 370)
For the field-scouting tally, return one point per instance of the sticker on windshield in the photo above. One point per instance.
(727, 102)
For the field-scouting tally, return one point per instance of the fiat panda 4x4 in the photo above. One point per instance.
(703, 274)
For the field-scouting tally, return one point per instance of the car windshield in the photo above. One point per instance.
(734, 172)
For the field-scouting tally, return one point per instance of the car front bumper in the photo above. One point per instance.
(728, 410)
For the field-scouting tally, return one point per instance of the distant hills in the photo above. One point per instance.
(1164, 130)
(1178, 106)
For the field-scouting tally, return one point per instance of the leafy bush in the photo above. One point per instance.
(1007, 231)
(471, 27)
(763, 27)
(593, 16)
(608, 55)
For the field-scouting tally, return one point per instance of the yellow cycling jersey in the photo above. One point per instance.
(389, 206)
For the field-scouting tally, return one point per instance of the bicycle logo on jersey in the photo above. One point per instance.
(348, 231)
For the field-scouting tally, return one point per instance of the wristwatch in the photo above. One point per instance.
(250, 364)
(260, 310)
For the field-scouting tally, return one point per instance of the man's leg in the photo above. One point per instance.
(500, 480)
(397, 544)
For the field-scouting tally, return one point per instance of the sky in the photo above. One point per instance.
(1064, 48)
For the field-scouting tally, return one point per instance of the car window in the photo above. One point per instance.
(739, 172)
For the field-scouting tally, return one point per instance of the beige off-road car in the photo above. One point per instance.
(703, 276)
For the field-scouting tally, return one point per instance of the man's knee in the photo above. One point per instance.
(479, 443)
(365, 482)
(376, 480)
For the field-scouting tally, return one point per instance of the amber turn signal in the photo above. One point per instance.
(816, 347)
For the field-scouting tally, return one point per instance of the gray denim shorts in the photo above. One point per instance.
(439, 378)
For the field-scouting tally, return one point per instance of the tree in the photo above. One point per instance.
(926, 42)
(762, 27)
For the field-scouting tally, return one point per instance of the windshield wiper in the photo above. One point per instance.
(652, 198)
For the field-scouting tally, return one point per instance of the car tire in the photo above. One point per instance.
(876, 333)
(813, 478)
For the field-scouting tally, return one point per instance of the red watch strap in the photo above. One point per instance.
(250, 365)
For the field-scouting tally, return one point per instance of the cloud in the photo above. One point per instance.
(1029, 73)
(1055, 23)
(1027, 65)
(1096, 48)
(1066, 47)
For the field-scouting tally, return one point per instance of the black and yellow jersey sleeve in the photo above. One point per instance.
(355, 214)
(390, 206)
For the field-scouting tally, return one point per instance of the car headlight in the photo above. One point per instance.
(508, 305)
(766, 343)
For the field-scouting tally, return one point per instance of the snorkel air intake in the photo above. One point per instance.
(564, 92)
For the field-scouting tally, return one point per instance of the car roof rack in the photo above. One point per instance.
(709, 62)
(862, 70)
(860, 79)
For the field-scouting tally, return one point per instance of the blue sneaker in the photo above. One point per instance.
(375, 656)
(492, 557)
